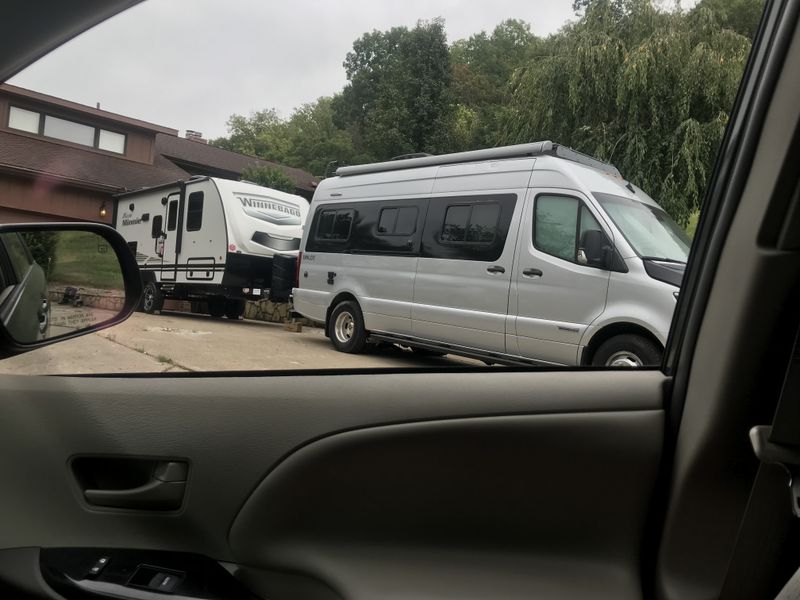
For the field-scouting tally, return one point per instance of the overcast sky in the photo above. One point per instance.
(190, 64)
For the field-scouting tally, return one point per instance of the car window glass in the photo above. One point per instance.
(17, 254)
(387, 220)
(455, 224)
(406, 223)
(334, 181)
(483, 223)
(555, 224)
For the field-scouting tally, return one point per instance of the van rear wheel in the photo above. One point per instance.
(347, 328)
(627, 350)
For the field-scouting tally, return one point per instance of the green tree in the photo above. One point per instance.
(262, 134)
(647, 90)
(269, 177)
(397, 99)
(42, 245)
(482, 67)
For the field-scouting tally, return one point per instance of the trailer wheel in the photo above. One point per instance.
(216, 307)
(347, 328)
(234, 309)
(152, 299)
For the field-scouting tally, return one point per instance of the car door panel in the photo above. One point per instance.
(557, 303)
(247, 440)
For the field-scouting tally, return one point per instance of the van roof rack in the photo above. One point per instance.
(546, 148)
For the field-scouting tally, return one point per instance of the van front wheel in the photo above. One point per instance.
(347, 328)
(628, 350)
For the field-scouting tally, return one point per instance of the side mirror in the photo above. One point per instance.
(594, 249)
(59, 281)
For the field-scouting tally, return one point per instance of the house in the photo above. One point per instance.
(63, 161)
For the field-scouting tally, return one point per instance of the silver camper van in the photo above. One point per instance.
(528, 254)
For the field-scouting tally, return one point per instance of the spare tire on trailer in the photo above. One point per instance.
(234, 309)
(284, 274)
(216, 306)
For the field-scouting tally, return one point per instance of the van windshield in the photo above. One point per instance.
(649, 230)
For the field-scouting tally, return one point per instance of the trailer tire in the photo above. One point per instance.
(234, 309)
(152, 298)
(216, 307)
(346, 328)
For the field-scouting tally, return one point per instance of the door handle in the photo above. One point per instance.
(164, 490)
(496, 269)
(532, 273)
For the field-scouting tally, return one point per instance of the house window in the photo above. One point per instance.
(23, 120)
(69, 131)
(64, 129)
(111, 141)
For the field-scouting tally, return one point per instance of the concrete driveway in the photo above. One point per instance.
(174, 341)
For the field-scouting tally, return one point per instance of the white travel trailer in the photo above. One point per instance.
(212, 240)
(529, 254)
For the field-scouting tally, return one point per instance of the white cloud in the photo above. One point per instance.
(190, 64)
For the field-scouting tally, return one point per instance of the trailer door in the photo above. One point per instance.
(169, 262)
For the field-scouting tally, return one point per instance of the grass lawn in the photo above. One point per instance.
(85, 259)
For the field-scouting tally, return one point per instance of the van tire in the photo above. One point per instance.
(346, 328)
(627, 350)
(216, 307)
(152, 299)
(234, 309)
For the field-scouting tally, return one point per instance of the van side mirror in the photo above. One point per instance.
(594, 249)
(59, 281)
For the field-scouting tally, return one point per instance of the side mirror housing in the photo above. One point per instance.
(595, 249)
(59, 281)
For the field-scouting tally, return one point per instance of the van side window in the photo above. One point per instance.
(172, 215)
(468, 227)
(555, 226)
(561, 226)
(398, 221)
(194, 212)
(157, 226)
(474, 224)
(335, 225)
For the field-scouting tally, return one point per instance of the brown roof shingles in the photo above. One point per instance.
(34, 156)
(197, 153)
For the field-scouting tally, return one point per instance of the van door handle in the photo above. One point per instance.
(496, 269)
(532, 273)
(164, 490)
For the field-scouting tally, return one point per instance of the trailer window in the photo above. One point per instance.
(194, 212)
(157, 227)
(172, 216)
